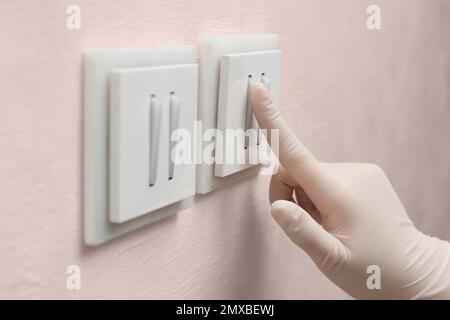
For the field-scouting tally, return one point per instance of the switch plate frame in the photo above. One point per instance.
(97, 64)
(212, 49)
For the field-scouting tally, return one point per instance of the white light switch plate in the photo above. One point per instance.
(132, 131)
(236, 70)
(212, 50)
(98, 63)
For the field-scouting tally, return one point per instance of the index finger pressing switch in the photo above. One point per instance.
(147, 107)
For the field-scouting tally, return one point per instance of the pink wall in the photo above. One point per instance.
(352, 94)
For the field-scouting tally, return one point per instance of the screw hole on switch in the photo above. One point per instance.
(263, 74)
(172, 92)
(249, 75)
(170, 178)
(152, 95)
(151, 184)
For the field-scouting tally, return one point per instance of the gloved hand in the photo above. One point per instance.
(349, 220)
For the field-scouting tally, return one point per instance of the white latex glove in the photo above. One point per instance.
(347, 217)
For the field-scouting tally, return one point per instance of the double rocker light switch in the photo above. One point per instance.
(241, 142)
(229, 64)
(140, 106)
(151, 110)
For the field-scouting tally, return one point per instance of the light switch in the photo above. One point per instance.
(235, 115)
(133, 98)
(148, 106)
(211, 176)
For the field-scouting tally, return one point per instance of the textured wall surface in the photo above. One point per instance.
(350, 93)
